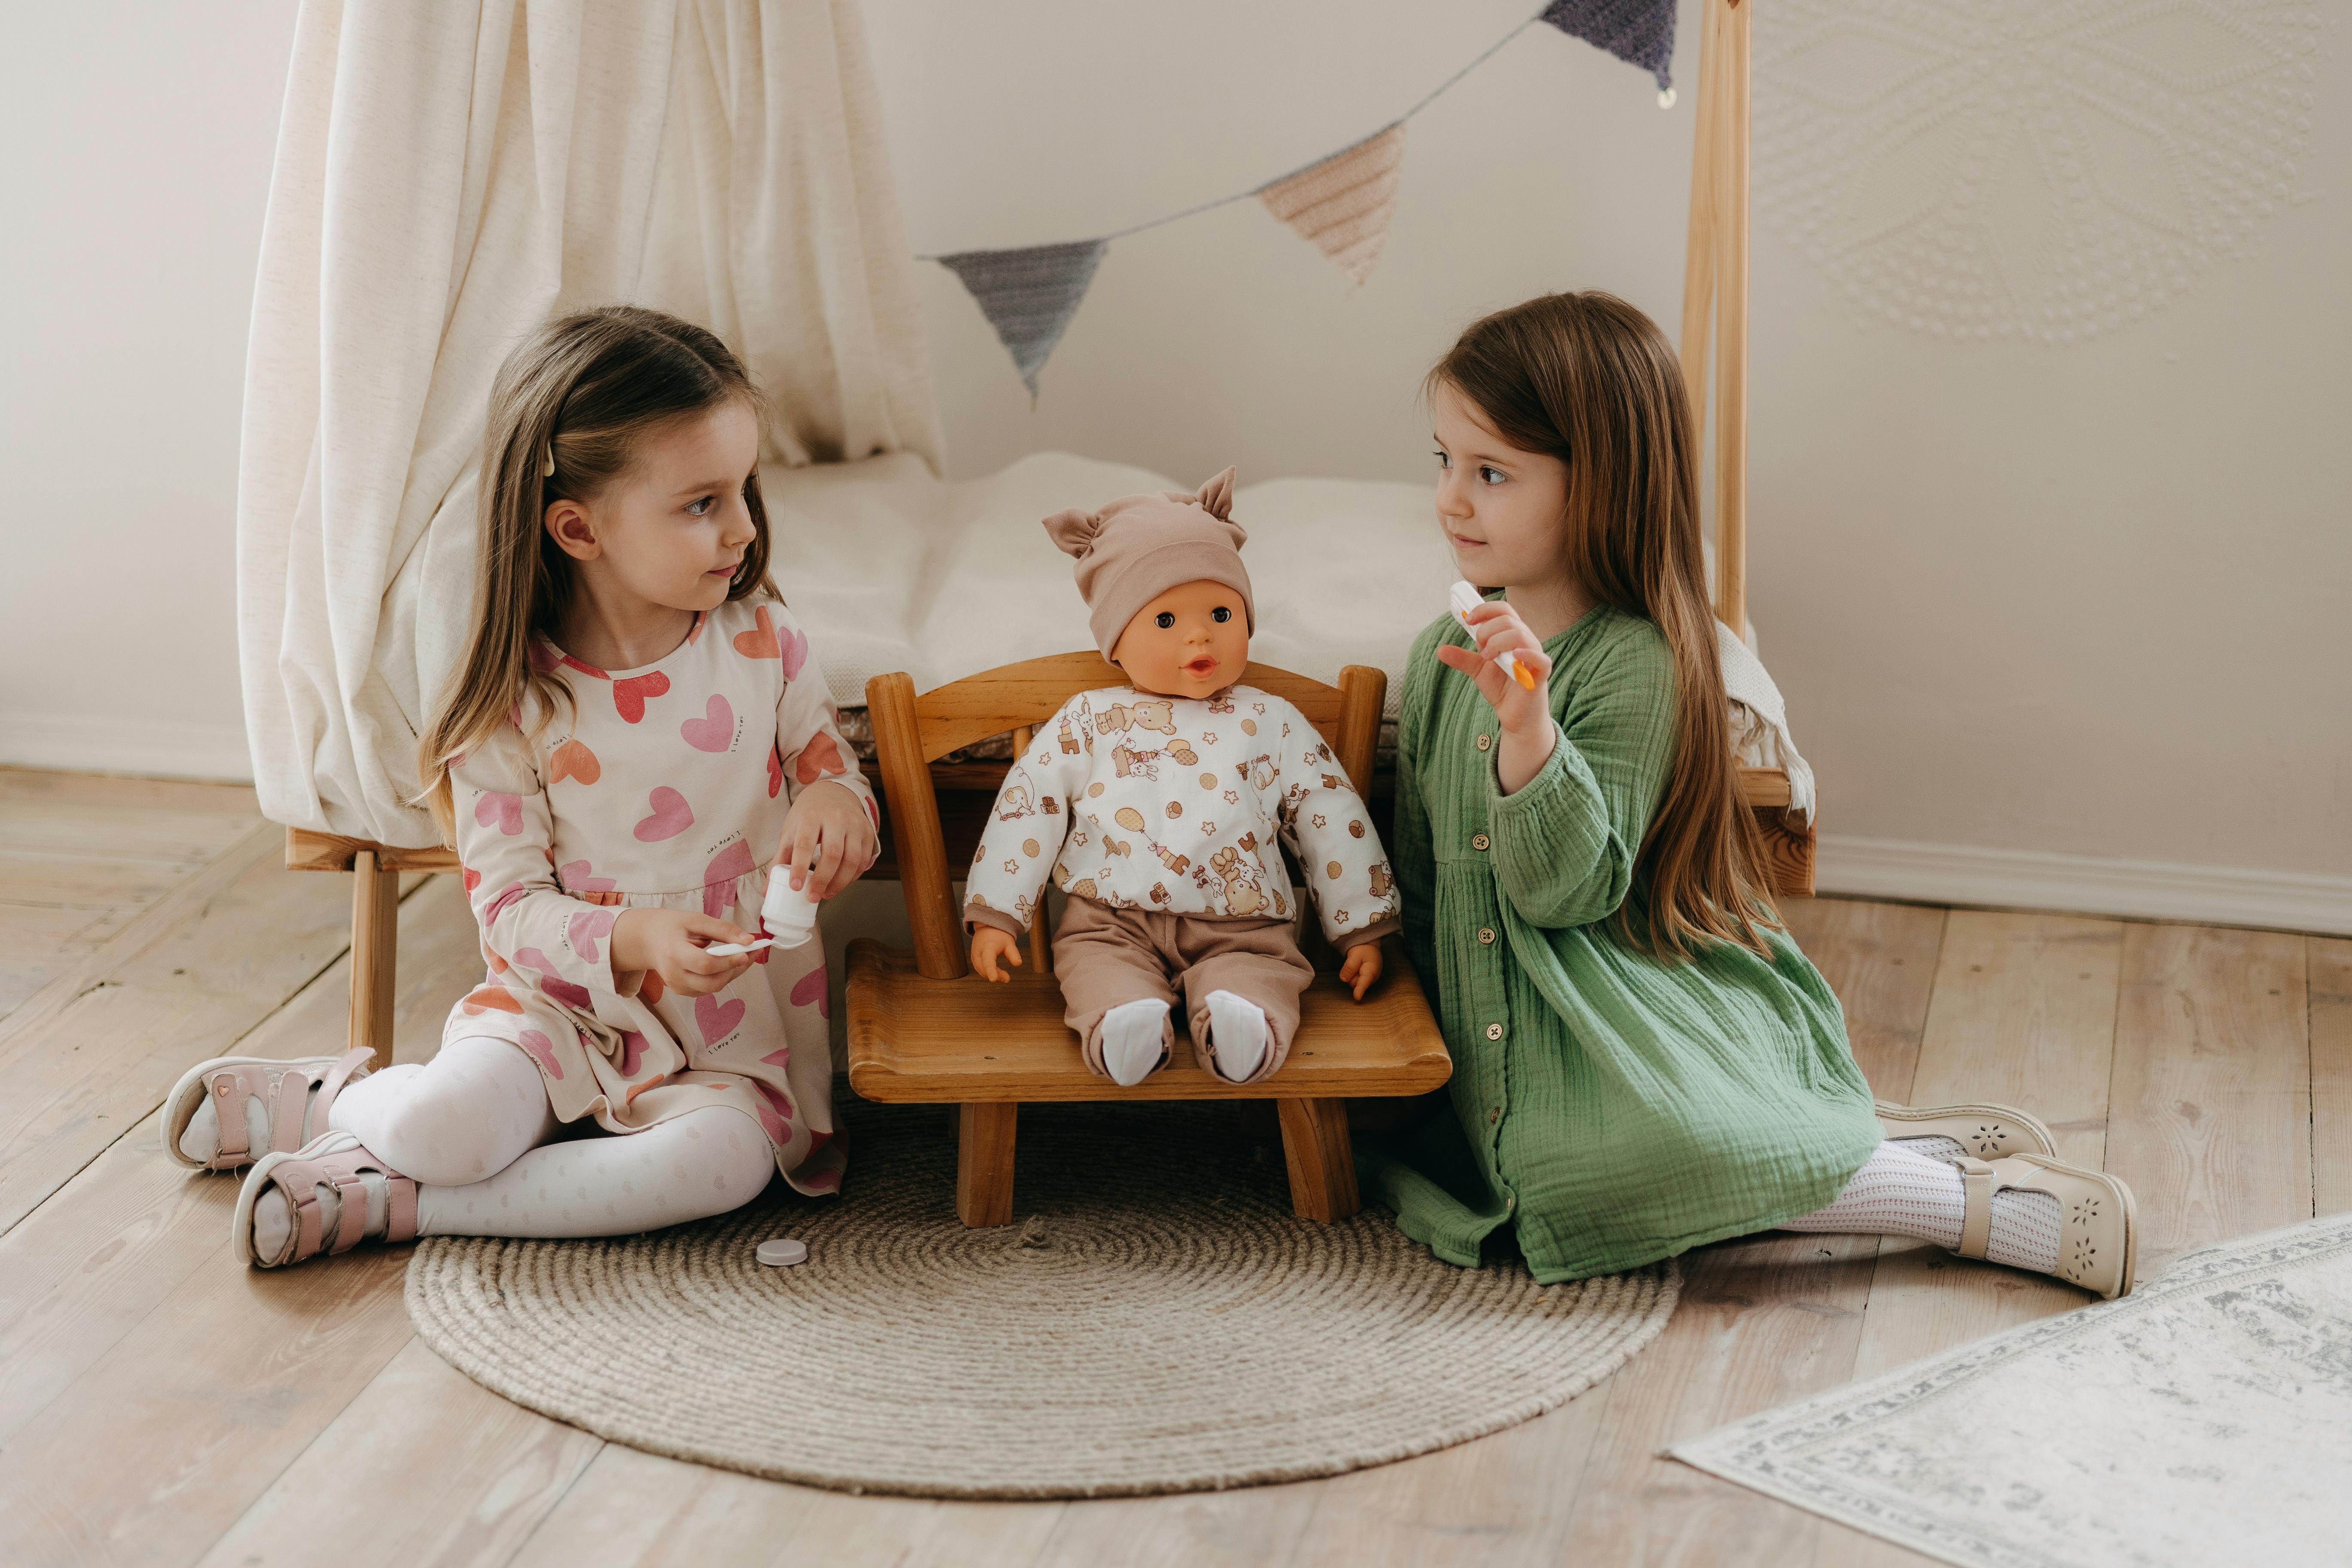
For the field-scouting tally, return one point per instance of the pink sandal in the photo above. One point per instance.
(283, 1089)
(335, 1160)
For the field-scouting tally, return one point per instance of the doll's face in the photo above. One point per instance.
(1191, 641)
(1505, 512)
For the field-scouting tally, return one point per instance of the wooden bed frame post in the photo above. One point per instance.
(1715, 271)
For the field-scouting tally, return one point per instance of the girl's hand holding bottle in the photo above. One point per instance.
(828, 840)
(670, 942)
(1525, 711)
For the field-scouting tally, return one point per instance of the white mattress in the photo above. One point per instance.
(889, 568)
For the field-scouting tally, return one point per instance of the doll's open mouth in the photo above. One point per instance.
(1200, 666)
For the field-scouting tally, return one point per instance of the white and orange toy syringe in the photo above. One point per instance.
(1465, 599)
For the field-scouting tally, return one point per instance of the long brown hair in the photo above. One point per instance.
(580, 394)
(1589, 380)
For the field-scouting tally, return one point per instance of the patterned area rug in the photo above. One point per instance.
(2205, 1418)
(1157, 1323)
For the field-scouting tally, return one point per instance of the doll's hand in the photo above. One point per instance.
(1527, 732)
(670, 942)
(1360, 967)
(828, 840)
(990, 944)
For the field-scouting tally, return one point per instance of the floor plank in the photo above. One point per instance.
(38, 945)
(452, 1474)
(73, 1079)
(158, 1448)
(2211, 1121)
(2331, 1074)
(28, 787)
(1211, 1530)
(1502, 1500)
(1761, 1322)
(1880, 959)
(630, 1507)
(2023, 1012)
(115, 831)
(86, 1267)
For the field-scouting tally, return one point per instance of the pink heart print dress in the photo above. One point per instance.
(666, 787)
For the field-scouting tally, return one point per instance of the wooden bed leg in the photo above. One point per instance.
(375, 938)
(1322, 1165)
(984, 1164)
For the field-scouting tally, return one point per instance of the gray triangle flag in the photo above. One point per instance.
(1029, 295)
(1639, 32)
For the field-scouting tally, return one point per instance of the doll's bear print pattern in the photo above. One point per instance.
(1176, 805)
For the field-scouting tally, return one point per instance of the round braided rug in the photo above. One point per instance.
(1156, 1322)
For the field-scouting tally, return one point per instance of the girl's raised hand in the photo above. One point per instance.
(1499, 630)
(1525, 715)
(828, 840)
(670, 942)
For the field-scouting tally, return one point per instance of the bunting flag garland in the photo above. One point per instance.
(1639, 32)
(1029, 295)
(1341, 205)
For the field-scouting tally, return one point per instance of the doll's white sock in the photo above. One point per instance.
(1898, 1192)
(1134, 1033)
(1236, 1036)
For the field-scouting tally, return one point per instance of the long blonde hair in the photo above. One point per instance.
(581, 391)
(1589, 380)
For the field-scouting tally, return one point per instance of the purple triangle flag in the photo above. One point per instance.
(1029, 294)
(1639, 32)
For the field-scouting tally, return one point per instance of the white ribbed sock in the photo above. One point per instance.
(1899, 1192)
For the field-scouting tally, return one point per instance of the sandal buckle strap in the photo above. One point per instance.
(1976, 1220)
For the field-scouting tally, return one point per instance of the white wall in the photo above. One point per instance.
(2027, 602)
(138, 141)
(2041, 602)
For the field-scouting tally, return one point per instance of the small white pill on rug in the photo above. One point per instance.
(783, 1252)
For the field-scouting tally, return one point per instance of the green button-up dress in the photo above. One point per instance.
(1612, 1108)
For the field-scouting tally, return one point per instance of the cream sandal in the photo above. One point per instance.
(335, 1160)
(2098, 1246)
(1986, 1132)
(293, 1115)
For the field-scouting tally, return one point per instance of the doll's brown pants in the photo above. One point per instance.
(1105, 956)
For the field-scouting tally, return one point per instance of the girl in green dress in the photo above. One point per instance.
(1644, 1062)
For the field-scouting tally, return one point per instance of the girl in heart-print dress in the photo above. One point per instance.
(635, 733)
(667, 788)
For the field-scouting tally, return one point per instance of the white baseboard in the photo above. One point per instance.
(2083, 884)
(155, 748)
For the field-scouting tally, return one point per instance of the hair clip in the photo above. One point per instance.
(547, 468)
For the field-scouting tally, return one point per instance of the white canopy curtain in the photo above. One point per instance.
(448, 175)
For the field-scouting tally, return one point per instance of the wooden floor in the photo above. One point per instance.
(160, 1403)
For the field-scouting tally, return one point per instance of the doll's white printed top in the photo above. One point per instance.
(663, 786)
(1175, 803)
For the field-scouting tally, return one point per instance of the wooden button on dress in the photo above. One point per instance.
(1484, 742)
(1494, 1031)
(1478, 841)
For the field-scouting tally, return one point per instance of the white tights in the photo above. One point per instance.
(1910, 1187)
(473, 1127)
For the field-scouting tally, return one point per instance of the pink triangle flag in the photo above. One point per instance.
(1341, 205)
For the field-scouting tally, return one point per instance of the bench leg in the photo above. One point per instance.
(1322, 1165)
(375, 937)
(984, 1164)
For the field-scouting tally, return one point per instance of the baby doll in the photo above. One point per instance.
(1156, 806)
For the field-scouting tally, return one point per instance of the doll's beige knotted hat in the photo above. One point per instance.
(1138, 547)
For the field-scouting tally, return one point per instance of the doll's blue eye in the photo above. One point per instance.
(1163, 620)
(1221, 614)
